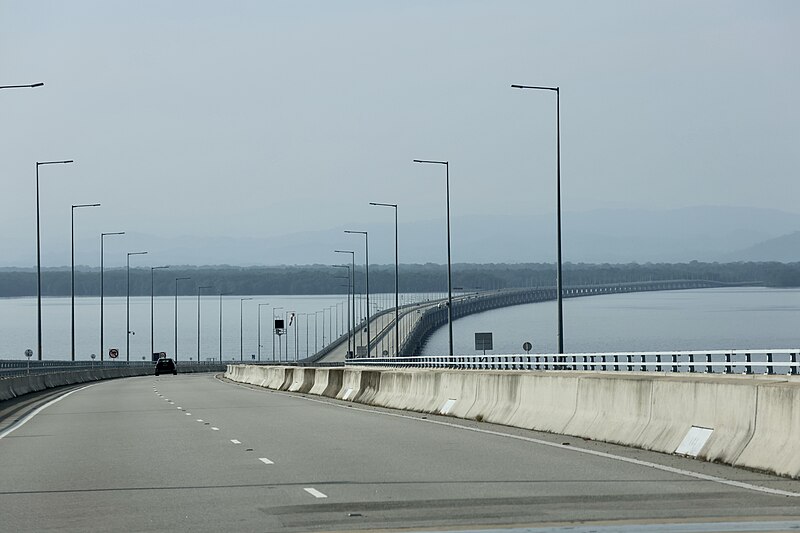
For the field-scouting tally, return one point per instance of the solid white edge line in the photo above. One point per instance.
(605, 455)
(38, 410)
(265, 461)
(314, 492)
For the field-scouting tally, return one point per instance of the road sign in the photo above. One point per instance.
(483, 341)
(28, 353)
(527, 347)
(113, 353)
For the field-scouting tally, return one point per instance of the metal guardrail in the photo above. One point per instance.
(15, 367)
(782, 361)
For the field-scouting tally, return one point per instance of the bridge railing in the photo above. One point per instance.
(781, 361)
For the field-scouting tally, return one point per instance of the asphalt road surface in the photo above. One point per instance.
(195, 453)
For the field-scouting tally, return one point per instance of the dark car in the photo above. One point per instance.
(166, 365)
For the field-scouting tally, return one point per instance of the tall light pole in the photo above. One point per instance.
(316, 314)
(39, 252)
(199, 290)
(353, 282)
(220, 323)
(396, 282)
(128, 304)
(366, 264)
(152, 310)
(241, 330)
(26, 86)
(102, 284)
(176, 315)
(259, 333)
(558, 208)
(349, 328)
(273, 332)
(449, 260)
(74, 207)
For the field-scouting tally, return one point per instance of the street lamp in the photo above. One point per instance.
(176, 314)
(199, 289)
(259, 333)
(102, 284)
(128, 305)
(241, 330)
(39, 254)
(26, 86)
(353, 278)
(558, 208)
(220, 324)
(396, 282)
(72, 213)
(366, 263)
(449, 261)
(348, 308)
(273, 332)
(152, 292)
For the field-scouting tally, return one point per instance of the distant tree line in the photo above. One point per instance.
(324, 279)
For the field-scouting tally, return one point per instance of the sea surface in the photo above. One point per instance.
(702, 319)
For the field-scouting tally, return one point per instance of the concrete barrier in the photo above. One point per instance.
(748, 421)
(21, 385)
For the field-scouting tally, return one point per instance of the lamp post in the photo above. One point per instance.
(558, 208)
(316, 314)
(152, 310)
(26, 86)
(176, 314)
(241, 330)
(273, 332)
(39, 252)
(366, 264)
(307, 337)
(396, 282)
(353, 283)
(128, 304)
(199, 290)
(220, 323)
(348, 307)
(102, 284)
(449, 261)
(259, 333)
(72, 213)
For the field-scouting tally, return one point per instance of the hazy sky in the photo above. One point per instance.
(267, 117)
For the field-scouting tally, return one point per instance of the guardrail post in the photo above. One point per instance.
(691, 363)
(793, 360)
(643, 361)
(770, 368)
(748, 367)
(674, 362)
(616, 363)
(658, 362)
(709, 369)
(728, 365)
(592, 366)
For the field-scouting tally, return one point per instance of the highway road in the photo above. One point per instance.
(196, 453)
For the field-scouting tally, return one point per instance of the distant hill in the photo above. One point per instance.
(784, 249)
(705, 233)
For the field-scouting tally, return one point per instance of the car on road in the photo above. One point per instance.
(166, 365)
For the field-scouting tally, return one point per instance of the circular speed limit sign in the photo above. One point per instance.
(113, 353)
(527, 346)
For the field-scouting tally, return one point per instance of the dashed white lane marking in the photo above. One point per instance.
(188, 414)
(214, 429)
(179, 408)
(314, 492)
(235, 441)
(38, 410)
(265, 461)
(663, 468)
(199, 419)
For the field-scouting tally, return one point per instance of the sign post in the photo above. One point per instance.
(29, 354)
(483, 341)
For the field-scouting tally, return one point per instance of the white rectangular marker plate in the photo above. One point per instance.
(447, 406)
(694, 441)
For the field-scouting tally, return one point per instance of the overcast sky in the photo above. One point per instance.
(263, 118)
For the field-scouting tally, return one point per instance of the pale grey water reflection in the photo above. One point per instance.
(702, 319)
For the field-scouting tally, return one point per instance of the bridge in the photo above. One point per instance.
(419, 321)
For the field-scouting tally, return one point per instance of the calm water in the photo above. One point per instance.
(701, 319)
(652, 321)
(326, 314)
